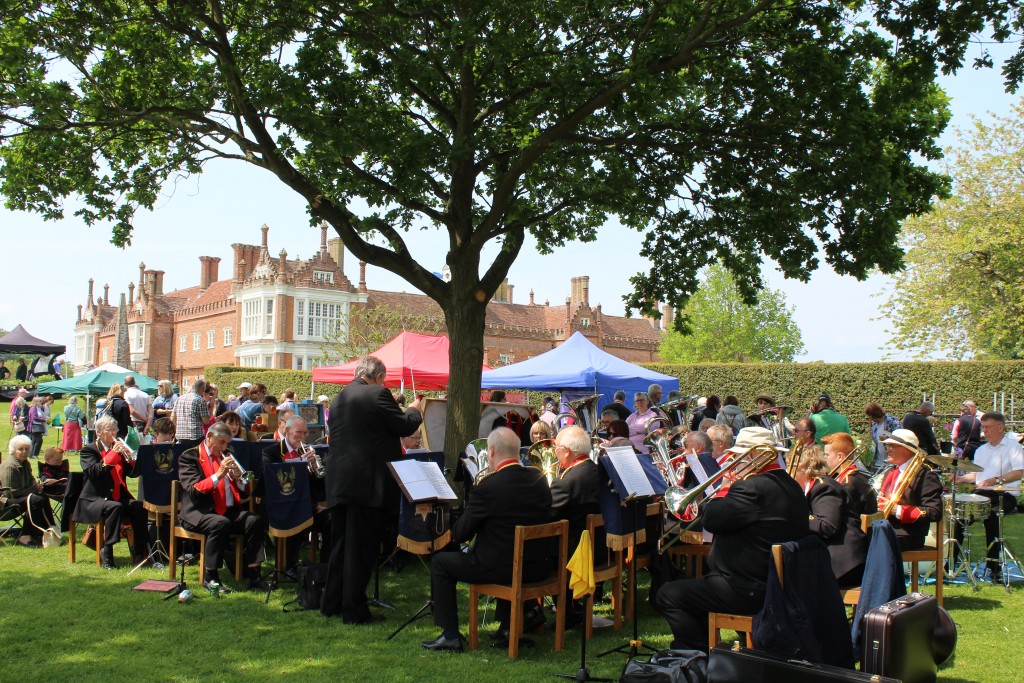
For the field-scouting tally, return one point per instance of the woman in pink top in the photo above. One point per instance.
(642, 412)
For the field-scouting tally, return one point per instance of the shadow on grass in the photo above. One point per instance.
(972, 603)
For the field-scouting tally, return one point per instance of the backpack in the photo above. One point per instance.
(309, 592)
(668, 666)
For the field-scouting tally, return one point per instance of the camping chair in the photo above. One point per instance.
(740, 623)
(178, 531)
(289, 506)
(16, 517)
(608, 570)
(517, 591)
(926, 553)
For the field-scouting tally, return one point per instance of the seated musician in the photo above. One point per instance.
(283, 415)
(804, 432)
(722, 440)
(848, 559)
(1003, 460)
(747, 516)
(511, 496)
(701, 445)
(607, 417)
(290, 447)
(539, 431)
(764, 403)
(238, 430)
(211, 504)
(106, 465)
(17, 486)
(574, 494)
(921, 501)
(827, 500)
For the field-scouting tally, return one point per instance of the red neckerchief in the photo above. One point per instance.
(890, 481)
(509, 463)
(286, 453)
(578, 461)
(116, 470)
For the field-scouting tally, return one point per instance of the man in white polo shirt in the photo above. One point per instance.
(139, 405)
(1003, 461)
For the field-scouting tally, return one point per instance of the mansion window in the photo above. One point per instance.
(250, 361)
(227, 336)
(317, 319)
(195, 341)
(210, 339)
(257, 318)
(105, 357)
(323, 276)
(181, 343)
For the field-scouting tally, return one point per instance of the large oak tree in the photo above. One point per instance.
(732, 130)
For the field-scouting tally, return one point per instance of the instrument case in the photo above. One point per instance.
(741, 665)
(897, 639)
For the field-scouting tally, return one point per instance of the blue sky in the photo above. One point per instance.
(47, 265)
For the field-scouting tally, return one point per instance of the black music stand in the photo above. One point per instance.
(631, 491)
(422, 481)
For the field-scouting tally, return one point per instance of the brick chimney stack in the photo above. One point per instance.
(666, 317)
(337, 251)
(209, 267)
(142, 278)
(511, 288)
(362, 276)
(264, 229)
(568, 307)
(323, 237)
(106, 295)
(585, 281)
(531, 297)
(90, 292)
(79, 319)
(131, 293)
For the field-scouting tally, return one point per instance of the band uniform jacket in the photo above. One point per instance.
(925, 493)
(861, 501)
(829, 503)
(98, 485)
(512, 496)
(756, 513)
(365, 427)
(199, 496)
(574, 496)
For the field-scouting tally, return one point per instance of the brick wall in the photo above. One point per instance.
(191, 362)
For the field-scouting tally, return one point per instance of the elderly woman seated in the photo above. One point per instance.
(21, 493)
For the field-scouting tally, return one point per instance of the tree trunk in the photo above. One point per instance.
(466, 354)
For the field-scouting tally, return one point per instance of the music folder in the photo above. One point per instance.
(630, 477)
(421, 481)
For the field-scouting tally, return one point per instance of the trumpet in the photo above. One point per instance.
(125, 451)
(236, 472)
(313, 460)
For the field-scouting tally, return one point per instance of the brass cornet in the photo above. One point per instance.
(125, 451)
(313, 460)
(236, 472)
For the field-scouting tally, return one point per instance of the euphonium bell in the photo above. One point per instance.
(542, 456)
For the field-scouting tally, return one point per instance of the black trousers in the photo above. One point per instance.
(114, 513)
(38, 506)
(686, 604)
(217, 529)
(355, 541)
(447, 569)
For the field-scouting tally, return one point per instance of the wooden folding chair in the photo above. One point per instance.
(517, 591)
(927, 553)
(740, 623)
(178, 531)
(609, 569)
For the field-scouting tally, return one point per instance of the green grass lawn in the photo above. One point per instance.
(64, 622)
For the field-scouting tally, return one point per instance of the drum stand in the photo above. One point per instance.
(961, 551)
(1006, 556)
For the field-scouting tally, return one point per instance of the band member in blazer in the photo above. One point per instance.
(921, 502)
(293, 434)
(848, 559)
(827, 500)
(211, 504)
(747, 517)
(106, 465)
(511, 496)
(365, 428)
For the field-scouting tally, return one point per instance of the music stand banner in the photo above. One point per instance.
(286, 495)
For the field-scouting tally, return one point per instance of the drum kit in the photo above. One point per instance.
(963, 510)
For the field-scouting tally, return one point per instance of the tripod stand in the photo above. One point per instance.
(1006, 556)
(438, 512)
(375, 601)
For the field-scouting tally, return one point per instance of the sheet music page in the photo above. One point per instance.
(413, 478)
(471, 468)
(414, 451)
(434, 475)
(698, 469)
(632, 474)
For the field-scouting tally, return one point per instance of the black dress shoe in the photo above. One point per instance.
(107, 558)
(503, 644)
(442, 644)
(533, 619)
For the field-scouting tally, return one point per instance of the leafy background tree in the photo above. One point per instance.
(369, 327)
(738, 131)
(962, 293)
(723, 328)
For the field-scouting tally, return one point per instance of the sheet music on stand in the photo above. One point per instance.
(702, 476)
(630, 472)
(421, 481)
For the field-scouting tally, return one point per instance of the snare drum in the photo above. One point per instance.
(969, 507)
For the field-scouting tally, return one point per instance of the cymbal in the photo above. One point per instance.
(1013, 487)
(948, 462)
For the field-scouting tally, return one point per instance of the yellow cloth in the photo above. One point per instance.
(581, 568)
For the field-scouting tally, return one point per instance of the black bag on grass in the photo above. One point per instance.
(668, 666)
(310, 586)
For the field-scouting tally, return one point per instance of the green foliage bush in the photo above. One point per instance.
(227, 377)
(897, 387)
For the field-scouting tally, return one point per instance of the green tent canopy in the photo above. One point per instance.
(96, 383)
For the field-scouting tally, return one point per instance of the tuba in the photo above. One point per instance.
(542, 456)
(583, 412)
(675, 410)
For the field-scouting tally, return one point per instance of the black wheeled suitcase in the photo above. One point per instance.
(897, 639)
(740, 665)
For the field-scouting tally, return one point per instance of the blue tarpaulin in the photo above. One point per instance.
(578, 364)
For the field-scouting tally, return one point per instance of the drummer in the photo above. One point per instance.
(1002, 460)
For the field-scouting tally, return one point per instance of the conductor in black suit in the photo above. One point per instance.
(365, 427)
(747, 517)
(511, 495)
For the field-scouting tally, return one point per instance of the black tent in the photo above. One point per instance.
(19, 341)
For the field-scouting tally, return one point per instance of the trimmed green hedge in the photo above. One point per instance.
(228, 377)
(897, 387)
